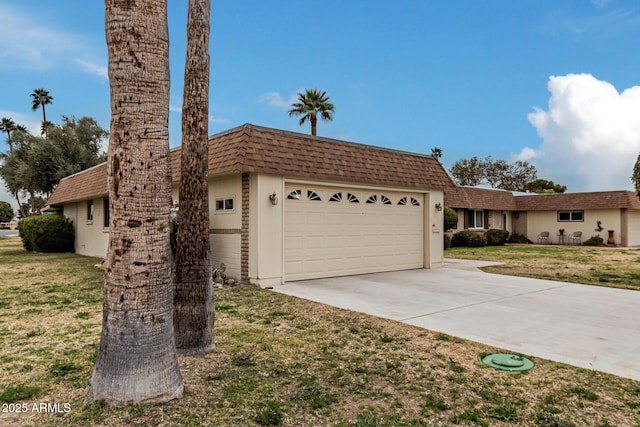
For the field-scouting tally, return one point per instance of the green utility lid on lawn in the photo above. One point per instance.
(508, 362)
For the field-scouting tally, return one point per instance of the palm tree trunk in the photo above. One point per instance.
(193, 299)
(137, 360)
(314, 124)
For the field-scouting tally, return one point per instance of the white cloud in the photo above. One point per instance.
(28, 42)
(590, 133)
(99, 70)
(274, 99)
(25, 43)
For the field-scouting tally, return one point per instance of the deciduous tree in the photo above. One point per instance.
(6, 212)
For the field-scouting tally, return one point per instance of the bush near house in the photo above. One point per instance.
(447, 241)
(467, 239)
(594, 241)
(47, 233)
(518, 238)
(496, 237)
(450, 218)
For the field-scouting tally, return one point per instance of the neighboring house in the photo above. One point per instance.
(288, 206)
(595, 213)
(481, 208)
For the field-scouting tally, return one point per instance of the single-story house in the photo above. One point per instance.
(608, 214)
(288, 206)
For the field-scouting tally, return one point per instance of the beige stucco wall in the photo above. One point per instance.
(92, 239)
(225, 225)
(433, 230)
(539, 221)
(266, 263)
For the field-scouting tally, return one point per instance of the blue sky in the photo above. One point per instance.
(554, 82)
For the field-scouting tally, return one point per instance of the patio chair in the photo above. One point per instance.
(543, 237)
(575, 238)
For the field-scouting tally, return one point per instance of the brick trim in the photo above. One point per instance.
(244, 231)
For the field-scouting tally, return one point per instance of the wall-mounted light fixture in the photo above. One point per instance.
(273, 198)
(438, 206)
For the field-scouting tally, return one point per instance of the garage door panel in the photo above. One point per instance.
(324, 239)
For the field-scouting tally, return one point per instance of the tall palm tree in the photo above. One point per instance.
(311, 103)
(137, 359)
(436, 152)
(40, 98)
(193, 299)
(7, 125)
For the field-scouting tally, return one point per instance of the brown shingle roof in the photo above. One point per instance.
(250, 148)
(89, 183)
(480, 198)
(562, 201)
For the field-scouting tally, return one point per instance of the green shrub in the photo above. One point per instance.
(518, 238)
(450, 218)
(594, 241)
(467, 239)
(47, 233)
(447, 241)
(496, 237)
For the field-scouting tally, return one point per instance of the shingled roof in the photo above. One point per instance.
(251, 148)
(480, 198)
(495, 199)
(573, 201)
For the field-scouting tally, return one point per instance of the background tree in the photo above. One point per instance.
(635, 177)
(312, 103)
(137, 359)
(544, 186)
(497, 173)
(468, 171)
(7, 125)
(6, 212)
(193, 299)
(37, 164)
(39, 98)
(436, 152)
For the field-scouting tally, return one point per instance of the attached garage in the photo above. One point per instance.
(337, 231)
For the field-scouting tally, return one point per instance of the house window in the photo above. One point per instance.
(570, 216)
(402, 201)
(225, 205)
(385, 200)
(414, 202)
(89, 210)
(352, 198)
(105, 210)
(372, 199)
(312, 195)
(476, 219)
(337, 197)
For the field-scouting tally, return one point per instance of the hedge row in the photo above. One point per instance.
(47, 233)
(472, 239)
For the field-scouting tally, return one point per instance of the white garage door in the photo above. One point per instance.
(340, 231)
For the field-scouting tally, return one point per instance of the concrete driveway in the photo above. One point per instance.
(587, 326)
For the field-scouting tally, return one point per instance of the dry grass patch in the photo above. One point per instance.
(285, 361)
(619, 268)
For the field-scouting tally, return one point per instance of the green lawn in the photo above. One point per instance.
(279, 361)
